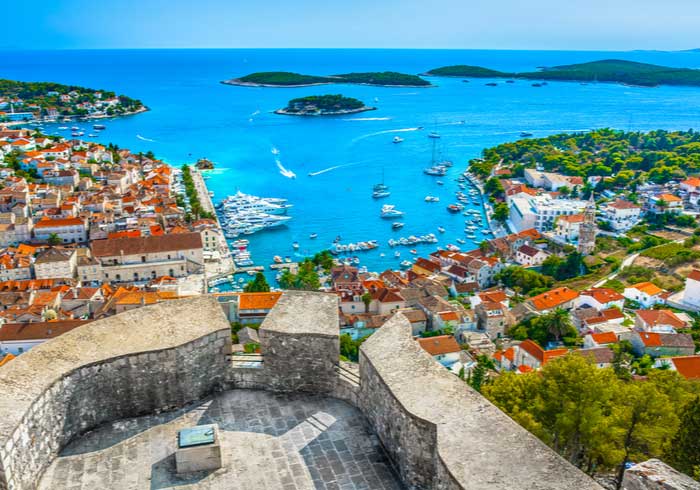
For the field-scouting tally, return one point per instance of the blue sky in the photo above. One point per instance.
(477, 24)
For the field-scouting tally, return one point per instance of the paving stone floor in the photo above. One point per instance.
(269, 441)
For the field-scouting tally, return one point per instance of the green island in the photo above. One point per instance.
(618, 71)
(323, 105)
(26, 101)
(622, 159)
(289, 79)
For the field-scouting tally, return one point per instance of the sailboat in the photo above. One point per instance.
(436, 169)
(380, 190)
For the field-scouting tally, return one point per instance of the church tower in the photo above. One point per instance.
(588, 230)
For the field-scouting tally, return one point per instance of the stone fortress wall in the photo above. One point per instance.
(438, 433)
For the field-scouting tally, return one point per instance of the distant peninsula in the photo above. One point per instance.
(617, 71)
(323, 105)
(289, 79)
(36, 101)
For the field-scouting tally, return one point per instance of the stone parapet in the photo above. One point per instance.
(657, 475)
(144, 361)
(443, 435)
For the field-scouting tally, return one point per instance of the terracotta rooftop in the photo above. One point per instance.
(257, 301)
(660, 317)
(37, 330)
(552, 299)
(442, 344)
(603, 295)
(141, 245)
(604, 338)
(647, 288)
(688, 366)
(652, 339)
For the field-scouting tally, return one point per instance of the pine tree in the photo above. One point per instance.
(257, 285)
(684, 452)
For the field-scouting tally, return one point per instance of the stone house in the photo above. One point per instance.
(55, 263)
(662, 344)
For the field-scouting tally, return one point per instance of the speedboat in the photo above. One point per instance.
(397, 225)
(397, 139)
(397, 254)
(413, 251)
(441, 229)
(99, 127)
(462, 241)
(525, 134)
(455, 208)
(432, 199)
(313, 235)
(433, 134)
(295, 245)
(389, 211)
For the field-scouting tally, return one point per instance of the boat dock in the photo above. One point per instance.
(497, 230)
(224, 265)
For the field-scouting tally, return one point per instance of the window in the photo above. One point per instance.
(143, 258)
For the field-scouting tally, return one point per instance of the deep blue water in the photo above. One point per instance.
(192, 115)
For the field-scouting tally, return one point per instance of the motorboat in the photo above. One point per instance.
(455, 208)
(389, 211)
(380, 194)
(313, 236)
(434, 135)
(295, 245)
(436, 171)
(441, 229)
(525, 134)
(397, 139)
(432, 199)
(397, 225)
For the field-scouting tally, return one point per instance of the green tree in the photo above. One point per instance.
(557, 323)
(501, 212)
(367, 300)
(257, 285)
(643, 421)
(479, 373)
(684, 450)
(54, 240)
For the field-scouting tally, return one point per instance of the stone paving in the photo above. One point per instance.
(269, 441)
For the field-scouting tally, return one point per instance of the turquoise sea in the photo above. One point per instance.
(192, 115)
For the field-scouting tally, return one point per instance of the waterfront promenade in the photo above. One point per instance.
(223, 264)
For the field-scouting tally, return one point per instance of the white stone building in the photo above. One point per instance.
(55, 263)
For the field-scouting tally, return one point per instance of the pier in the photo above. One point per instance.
(224, 265)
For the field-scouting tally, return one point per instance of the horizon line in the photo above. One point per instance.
(637, 50)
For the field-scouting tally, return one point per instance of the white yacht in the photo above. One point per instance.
(389, 211)
(397, 139)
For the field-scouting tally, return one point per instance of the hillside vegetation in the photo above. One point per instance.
(281, 78)
(619, 71)
(623, 159)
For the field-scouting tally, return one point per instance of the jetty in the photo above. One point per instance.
(223, 265)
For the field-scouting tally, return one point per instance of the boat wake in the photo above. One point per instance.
(255, 113)
(145, 139)
(453, 123)
(284, 171)
(314, 174)
(368, 119)
(388, 131)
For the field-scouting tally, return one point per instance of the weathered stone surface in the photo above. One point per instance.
(144, 361)
(657, 475)
(300, 342)
(443, 435)
(269, 441)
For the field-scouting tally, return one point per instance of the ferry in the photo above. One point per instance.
(397, 139)
(389, 211)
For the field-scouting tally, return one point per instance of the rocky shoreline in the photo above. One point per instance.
(285, 112)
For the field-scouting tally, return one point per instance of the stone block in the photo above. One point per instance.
(202, 457)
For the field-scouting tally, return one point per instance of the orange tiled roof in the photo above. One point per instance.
(524, 369)
(442, 344)
(692, 181)
(48, 223)
(553, 298)
(694, 275)
(688, 366)
(257, 301)
(604, 338)
(603, 295)
(648, 288)
(668, 198)
(660, 317)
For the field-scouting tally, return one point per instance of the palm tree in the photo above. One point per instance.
(557, 322)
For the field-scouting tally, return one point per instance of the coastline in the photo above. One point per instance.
(236, 82)
(284, 112)
(90, 117)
